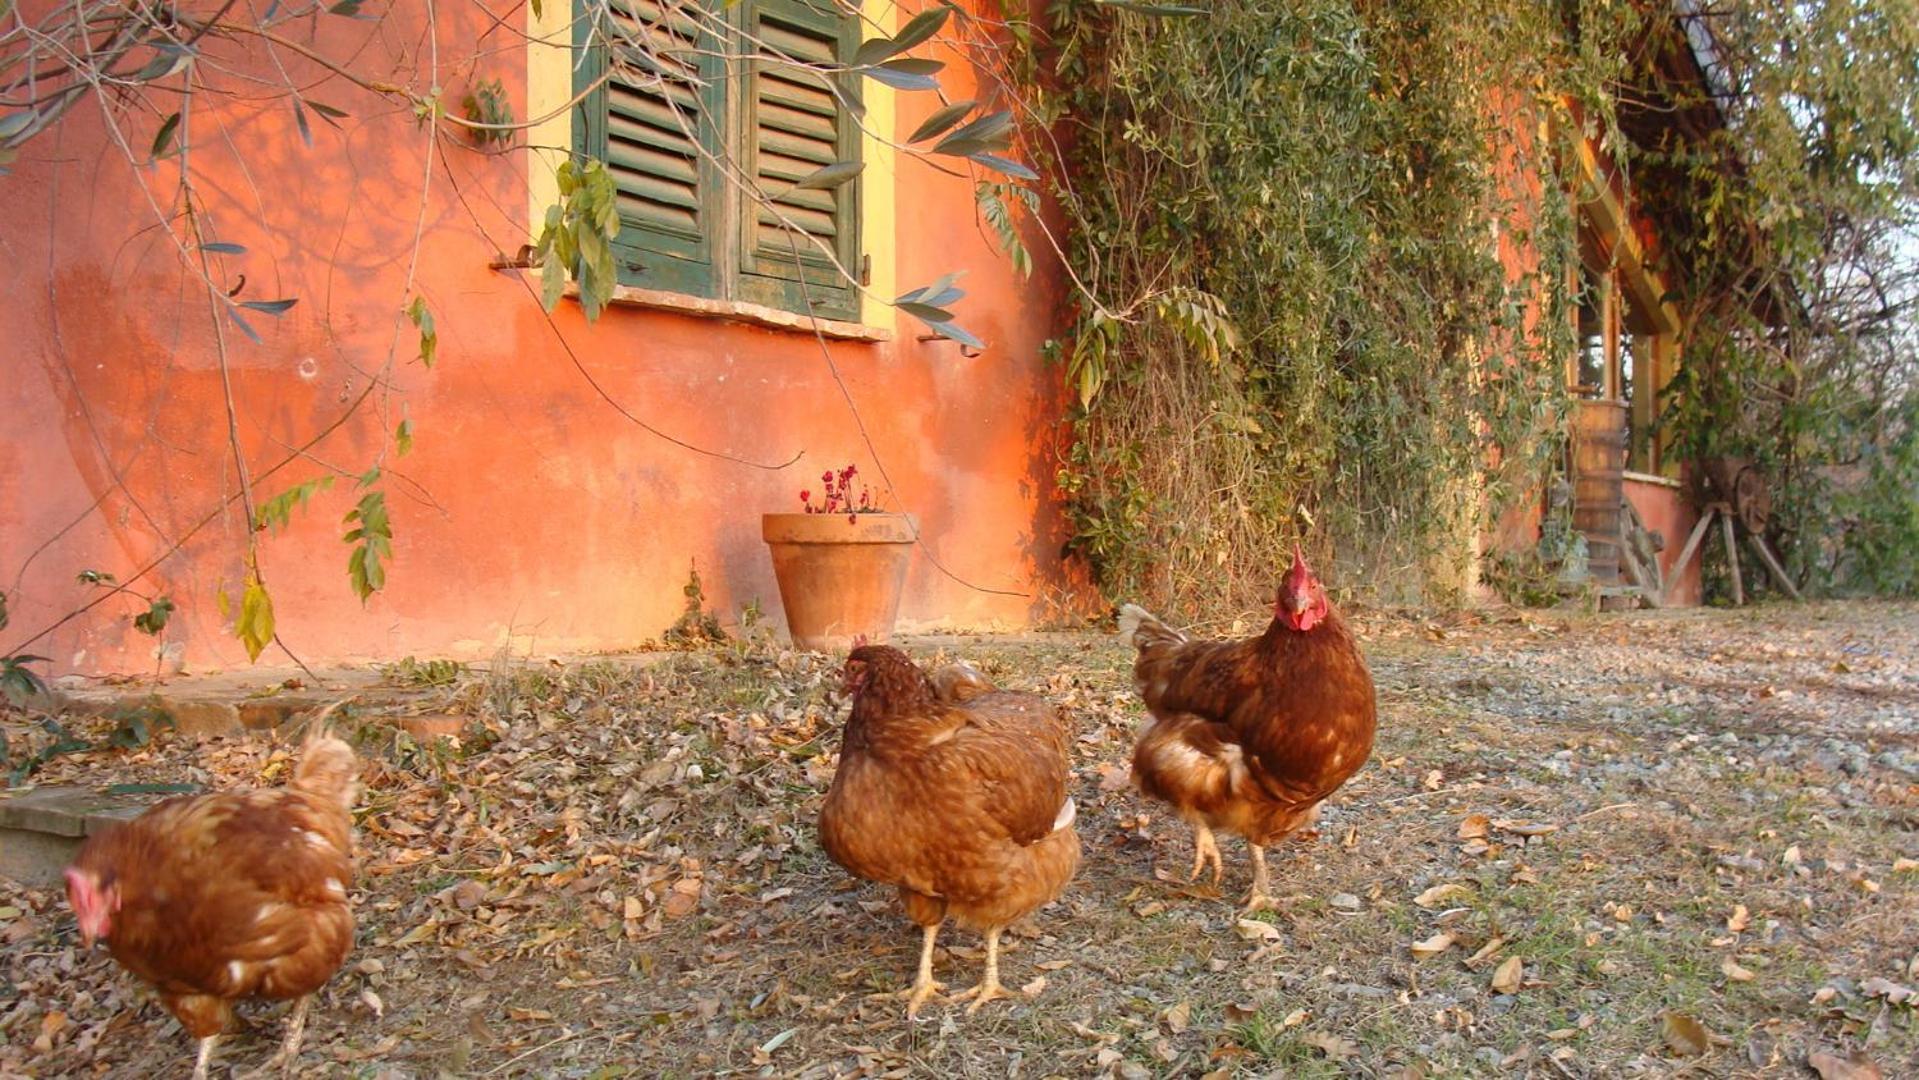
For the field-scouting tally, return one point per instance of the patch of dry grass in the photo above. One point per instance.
(615, 873)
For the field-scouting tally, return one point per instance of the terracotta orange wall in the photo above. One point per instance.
(1665, 510)
(529, 507)
(1518, 187)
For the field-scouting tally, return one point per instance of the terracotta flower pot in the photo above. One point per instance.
(839, 578)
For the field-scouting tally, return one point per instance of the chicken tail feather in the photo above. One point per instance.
(328, 770)
(1067, 813)
(1140, 628)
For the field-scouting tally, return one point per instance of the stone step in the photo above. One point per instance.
(42, 828)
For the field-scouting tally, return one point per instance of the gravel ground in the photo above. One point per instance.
(1640, 844)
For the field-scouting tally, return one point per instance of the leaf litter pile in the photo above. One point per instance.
(1638, 844)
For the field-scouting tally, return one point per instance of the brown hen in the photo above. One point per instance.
(956, 795)
(1249, 736)
(216, 898)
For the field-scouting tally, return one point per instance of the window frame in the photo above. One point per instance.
(725, 262)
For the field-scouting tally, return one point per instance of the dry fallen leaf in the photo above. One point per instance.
(1254, 930)
(1033, 988)
(1854, 1066)
(1432, 946)
(1731, 969)
(1331, 1045)
(1739, 919)
(1439, 894)
(1475, 827)
(1686, 1036)
(1902, 864)
(1179, 1017)
(1894, 993)
(1294, 1018)
(1525, 828)
(1486, 951)
(1506, 978)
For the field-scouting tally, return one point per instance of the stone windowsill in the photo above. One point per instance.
(740, 311)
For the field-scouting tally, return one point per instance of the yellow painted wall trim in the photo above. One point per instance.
(879, 183)
(549, 84)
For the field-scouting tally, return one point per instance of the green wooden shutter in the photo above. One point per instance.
(650, 134)
(794, 123)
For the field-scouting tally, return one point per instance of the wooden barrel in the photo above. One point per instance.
(1599, 465)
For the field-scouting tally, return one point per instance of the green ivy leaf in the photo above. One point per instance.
(154, 618)
(429, 336)
(277, 511)
(372, 537)
(18, 680)
(1165, 10)
(269, 307)
(403, 438)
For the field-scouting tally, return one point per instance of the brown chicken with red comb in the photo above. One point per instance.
(1250, 736)
(956, 793)
(216, 898)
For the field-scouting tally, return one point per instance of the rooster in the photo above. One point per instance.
(220, 897)
(955, 794)
(1249, 736)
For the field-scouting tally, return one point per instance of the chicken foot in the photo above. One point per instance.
(205, 1059)
(989, 987)
(1261, 898)
(1205, 850)
(282, 1062)
(924, 987)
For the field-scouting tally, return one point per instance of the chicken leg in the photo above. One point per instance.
(1205, 850)
(205, 1059)
(989, 987)
(1261, 898)
(924, 987)
(282, 1062)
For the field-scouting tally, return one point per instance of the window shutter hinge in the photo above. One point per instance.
(866, 269)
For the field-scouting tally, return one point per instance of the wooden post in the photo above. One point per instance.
(1732, 560)
(1772, 564)
(1692, 544)
(1638, 578)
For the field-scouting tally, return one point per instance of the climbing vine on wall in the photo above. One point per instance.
(1316, 196)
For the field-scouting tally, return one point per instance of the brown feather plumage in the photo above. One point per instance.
(960, 804)
(232, 895)
(1250, 736)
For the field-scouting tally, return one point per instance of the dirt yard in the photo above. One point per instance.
(1651, 844)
